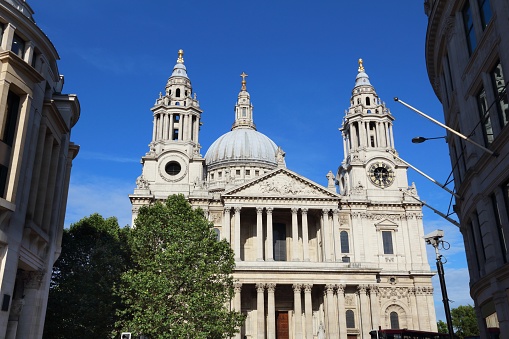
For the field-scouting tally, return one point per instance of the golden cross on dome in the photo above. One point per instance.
(361, 67)
(180, 60)
(243, 75)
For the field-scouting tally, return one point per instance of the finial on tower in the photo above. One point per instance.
(243, 75)
(361, 67)
(180, 60)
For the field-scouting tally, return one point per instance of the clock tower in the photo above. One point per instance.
(369, 167)
(173, 164)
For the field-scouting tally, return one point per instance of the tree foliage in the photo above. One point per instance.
(181, 279)
(81, 300)
(464, 322)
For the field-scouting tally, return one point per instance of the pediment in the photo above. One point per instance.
(386, 224)
(282, 183)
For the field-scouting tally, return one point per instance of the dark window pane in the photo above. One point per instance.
(12, 112)
(498, 222)
(279, 242)
(387, 242)
(485, 117)
(469, 28)
(394, 321)
(485, 10)
(343, 237)
(497, 77)
(18, 46)
(350, 319)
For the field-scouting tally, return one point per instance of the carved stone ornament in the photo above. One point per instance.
(33, 279)
(393, 292)
(141, 182)
(349, 300)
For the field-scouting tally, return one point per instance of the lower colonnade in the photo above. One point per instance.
(306, 311)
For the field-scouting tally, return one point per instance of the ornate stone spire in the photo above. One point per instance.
(243, 108)
(180, 59)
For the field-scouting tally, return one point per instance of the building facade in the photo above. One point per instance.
(310, 262)
(467, 57)
(35, 163)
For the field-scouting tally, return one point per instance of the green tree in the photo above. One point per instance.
(464, 321)
(181, 279)
(442, 327)
(82, 303)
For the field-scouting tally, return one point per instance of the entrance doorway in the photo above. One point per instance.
(282, 331)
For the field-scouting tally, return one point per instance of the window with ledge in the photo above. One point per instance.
(468, 25)
(343, 239)
(499, 87)
(177, 93)
(387, 242)
(394, 320)
(485, 12)
(18, 46)
(486, 125)
(350, 319)
(498, 221)
(7, 137)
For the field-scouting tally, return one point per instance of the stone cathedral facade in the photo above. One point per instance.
(311, 262)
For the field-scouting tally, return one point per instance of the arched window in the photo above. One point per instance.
(177, 93)
(343, 237)
(394, 321)
(218, 234)
(368, 102)
(350, 319)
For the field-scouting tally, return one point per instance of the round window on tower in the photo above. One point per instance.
(173, 168)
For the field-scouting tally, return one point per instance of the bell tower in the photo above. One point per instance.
(369, 167)
(174, 155)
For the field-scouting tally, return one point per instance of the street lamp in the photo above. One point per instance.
(420, 140)
(435, 239)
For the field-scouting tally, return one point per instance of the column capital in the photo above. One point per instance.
(325, 211)
(260, 287)
(237, 209)
(335, 211)
(294, 210)
(330, 288)
(341, 289)
(362, 289)
(271, 287)
(33, 279)
(237, 287)
(373, 290)
(269, 210)
(227, 209)
(308, 288)
(304, 210)
(297, 288)
(259, 210)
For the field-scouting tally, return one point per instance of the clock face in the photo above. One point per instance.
(381, 174)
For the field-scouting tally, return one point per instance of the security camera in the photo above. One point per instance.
(433, 237)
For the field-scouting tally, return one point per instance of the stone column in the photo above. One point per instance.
(295, 235)
(365, 313)
(227, 223)
(170, 127)
(271, 311)
(237, 305)
(270, 236)
(341, 311)
(413, 304)
(28, 320)
(237, 233)
(308, 310)
(354, 137)
(297, 305)
(332, 317)
(259, 234)
(260, 311)
(326, 234)
(305, 233)
(29, 52)
(8, 36)
(375, 306)
(335, 235)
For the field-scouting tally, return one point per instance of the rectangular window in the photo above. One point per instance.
(387, 242)
(175, 134)
(18, 46)
(474, 245)
(11, 120)
(485, 11)
(469, 28)
(237, 172)
(499, 87)
(257, 172)
(279, 242)
(485, 117)
(498, 222)
(248, 172)
(211, 176)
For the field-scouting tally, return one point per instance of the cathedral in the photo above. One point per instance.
(311, 261)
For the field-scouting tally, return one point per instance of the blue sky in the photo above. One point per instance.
(301, 58)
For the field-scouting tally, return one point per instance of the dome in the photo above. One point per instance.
(242, 145)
